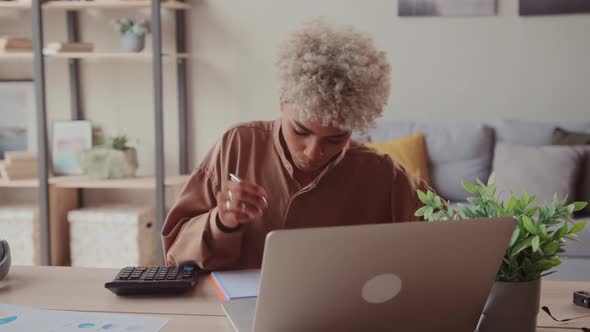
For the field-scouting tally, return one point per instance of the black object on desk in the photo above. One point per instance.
(582, 299)
(153, 280)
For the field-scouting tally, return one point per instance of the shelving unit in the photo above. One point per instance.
(57, 195)
(84, 5)
(94, 56)
(83, 182)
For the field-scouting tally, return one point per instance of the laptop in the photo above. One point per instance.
(415, 276)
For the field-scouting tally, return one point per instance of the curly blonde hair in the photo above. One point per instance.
(335, 76)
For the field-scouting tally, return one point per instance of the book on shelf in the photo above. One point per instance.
(63, 47)
(236, 284)
(15, 44)
(18, 166)
(15, 157)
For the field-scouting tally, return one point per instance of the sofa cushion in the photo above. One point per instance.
(456, 152)
(540, 171)
(581, 141)
(532, 132)
(410, 151)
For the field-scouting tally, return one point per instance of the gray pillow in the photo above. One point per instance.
(532, 132)
(581, 142)
(456, 152)
(541, 171)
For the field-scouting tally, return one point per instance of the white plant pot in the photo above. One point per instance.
(105, 163)
(132, 42)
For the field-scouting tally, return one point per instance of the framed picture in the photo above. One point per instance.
(553, 7)
(18, 131)
(69, 138)
(447, 7)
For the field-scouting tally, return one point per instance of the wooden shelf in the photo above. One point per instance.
(93, 56)
(29, 183)
(14, 5)
(16, 56)
(142, 182)
(100, 4)
(113, 56)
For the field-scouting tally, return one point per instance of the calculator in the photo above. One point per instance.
(153, 280)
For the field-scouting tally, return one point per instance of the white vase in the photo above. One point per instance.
(132, 42)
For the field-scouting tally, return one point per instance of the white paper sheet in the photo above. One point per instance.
(23, 319)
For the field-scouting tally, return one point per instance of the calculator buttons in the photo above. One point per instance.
(153, 279)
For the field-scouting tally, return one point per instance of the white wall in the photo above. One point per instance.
(477, 68)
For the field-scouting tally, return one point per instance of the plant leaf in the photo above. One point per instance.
(535, 243)
(579, 205)
(529, 225)
(437, 201)
(422, 196)
(521, 246)
(572, 237)
(515, 236)
(428, 212)
(525, 197)
(470, 187)
(577, 228)
(420, 211)
(570, 209)
(550, 248)
(511, 204)
(492, 179)
(560, 233)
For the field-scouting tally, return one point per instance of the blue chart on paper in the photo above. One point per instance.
(6, 319)
(23, 319)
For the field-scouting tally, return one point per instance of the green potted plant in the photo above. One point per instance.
(537, 240)
(133, 32)
(111, 158)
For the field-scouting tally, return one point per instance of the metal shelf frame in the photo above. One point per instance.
(77, 112)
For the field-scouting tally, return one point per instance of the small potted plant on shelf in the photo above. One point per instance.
(538, 239)
(111, 159)
(133, 32)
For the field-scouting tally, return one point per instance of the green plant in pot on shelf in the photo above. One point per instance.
(538, 239)
(110, 159)
(133, 32)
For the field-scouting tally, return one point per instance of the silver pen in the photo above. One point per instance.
(234, 178)
(237, 179)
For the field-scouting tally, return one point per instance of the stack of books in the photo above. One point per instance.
(9, 44)
(62, 47)
(18, 165)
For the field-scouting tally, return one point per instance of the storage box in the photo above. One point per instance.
(19, 225)
(113, 236)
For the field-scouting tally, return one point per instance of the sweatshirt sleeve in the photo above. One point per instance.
(190, 234)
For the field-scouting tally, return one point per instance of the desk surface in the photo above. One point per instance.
(82, 289)
(178, 323)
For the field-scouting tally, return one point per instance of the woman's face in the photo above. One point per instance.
(310, 144)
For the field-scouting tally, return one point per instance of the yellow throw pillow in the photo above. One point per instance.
(410, 151)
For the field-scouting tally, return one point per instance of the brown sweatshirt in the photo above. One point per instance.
(360, 186)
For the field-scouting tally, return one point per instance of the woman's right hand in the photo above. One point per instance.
(240, 203)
